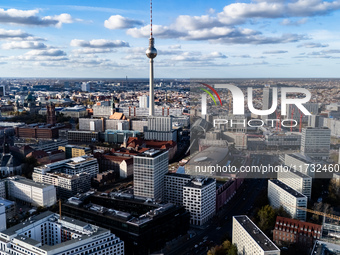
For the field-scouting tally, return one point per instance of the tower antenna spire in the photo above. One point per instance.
(151, 53)
(150, 18)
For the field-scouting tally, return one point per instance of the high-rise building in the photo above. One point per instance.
(199, 198)
(293, 110)
(279, 194)
(50, 114)
(26, 190)
(85, 87)
(151, 53)
(300, 162)
(297, 180)
(249, 239)
(50, 234)
(160, 129)
(315, 142)
(149, 169)
(174, 187)
(143, 101)
(315, 121)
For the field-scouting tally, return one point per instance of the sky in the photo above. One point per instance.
(194, 38)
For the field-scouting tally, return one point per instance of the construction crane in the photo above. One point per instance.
(327, 215)
(300, 127)
(292, 117)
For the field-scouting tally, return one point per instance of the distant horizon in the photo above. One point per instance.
(199, 38)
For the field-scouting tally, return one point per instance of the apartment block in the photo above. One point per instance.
(249, 239)
(279, 194)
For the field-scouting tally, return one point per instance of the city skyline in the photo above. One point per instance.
(194, 39)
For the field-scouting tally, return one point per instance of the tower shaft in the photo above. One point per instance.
(151, 90)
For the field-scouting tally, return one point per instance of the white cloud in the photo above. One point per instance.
(313, 45)
(49, 52)
(159, 31)
(238, 13)
(13, 34)
(275, 52)
(99, 43)
(23, 45)
(120, 22)
(289, 22)
(29, 17)
(92, 50)
(186, 22)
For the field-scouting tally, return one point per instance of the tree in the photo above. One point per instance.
(266, 217)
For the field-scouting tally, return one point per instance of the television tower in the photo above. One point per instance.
(151, 53)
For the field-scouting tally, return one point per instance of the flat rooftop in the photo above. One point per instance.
(261, 239)
(288, 189)
(66, 222)
(200, 183)
(28, 182)
(152, 153)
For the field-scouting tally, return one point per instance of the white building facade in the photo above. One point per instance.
(31, 192)
(199, 198)
(297, 180)
(279, 194)
(249, 239)
(48, 234)
(149, 169)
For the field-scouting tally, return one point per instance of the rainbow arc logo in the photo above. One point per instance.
(209, 93)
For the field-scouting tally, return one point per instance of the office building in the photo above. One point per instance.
(315, 142)
(39, 131)
(143, 226)
(82, 136)
(283, 140)
(149, 169)
(10, 208)
(199, 198)
(85, 87)
(160, 128)
(143, 101)
(31, 192)
(297, 180)
(88, 124)
(48, 146)
(294, 113)
(249, 239)
(315, 121)
(72, 166)
(300, 163)
(279, 194)
(174, 187)
(103, 109)
(72, 151)
(50, 234)
(76, 111)
(333, 125)
(3, 224)
(66, 185)
(295, 231)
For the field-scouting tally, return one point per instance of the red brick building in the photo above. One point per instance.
(295, 231)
